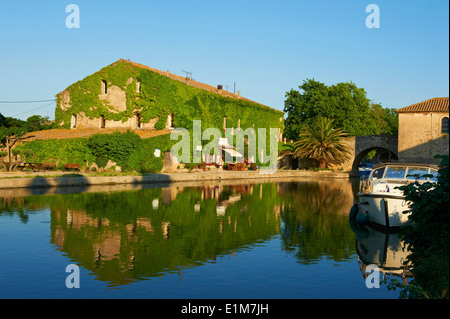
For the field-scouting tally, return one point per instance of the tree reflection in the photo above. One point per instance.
(127, 236)
(316, 220)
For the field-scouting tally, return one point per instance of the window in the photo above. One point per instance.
(104, 87)
(444, 125)
(138, 121)
(172, 123)
(138, 87)
(435, 175)
(417, 173)
(395, 172)
(378, 173)
(73, 121)
(102, 122)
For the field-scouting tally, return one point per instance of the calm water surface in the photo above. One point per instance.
(210, 240)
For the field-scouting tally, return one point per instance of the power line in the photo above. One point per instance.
(42, 106)
(40, 101)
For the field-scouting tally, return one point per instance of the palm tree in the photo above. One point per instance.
(322, 142)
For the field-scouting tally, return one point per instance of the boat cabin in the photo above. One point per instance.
(404, 172)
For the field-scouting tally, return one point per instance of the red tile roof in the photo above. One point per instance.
(437, 104)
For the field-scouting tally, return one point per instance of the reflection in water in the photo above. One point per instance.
(315, 220)
(127, 236)
(122, 236)
(385, 250)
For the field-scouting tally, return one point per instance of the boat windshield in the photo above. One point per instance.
(435, 176)
(402, 172)
(395, 172)
(417, 173)
(378, 173)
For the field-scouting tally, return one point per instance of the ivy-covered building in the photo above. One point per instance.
(126, 94)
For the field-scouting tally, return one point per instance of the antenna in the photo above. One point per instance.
(188, 74)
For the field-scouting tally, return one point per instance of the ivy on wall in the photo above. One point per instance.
(158, 97)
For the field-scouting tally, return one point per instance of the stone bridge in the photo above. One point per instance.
(362, 145)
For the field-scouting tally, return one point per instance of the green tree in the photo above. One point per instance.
(9, 136)
(386, 119)
(347, 104)
(322, 142)
(427, 237)
(37, 123)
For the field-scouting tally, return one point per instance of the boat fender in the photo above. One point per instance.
(354, 211)
(362, 218)
(367, 186)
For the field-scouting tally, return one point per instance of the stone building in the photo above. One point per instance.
(130, 95)
(423, 131)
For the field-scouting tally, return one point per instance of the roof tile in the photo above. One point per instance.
(437, 104)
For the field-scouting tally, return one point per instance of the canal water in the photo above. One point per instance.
(241, 239)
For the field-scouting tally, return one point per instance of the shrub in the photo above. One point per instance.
(143, 159)
(116, 146)
(427, 237)
(65, 150)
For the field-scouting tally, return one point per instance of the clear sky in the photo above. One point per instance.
(265, 47)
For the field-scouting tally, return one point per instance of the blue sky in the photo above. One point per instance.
(266, 47)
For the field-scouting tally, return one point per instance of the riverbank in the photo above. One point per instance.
(10, 180)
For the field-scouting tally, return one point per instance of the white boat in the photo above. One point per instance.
(380, 202)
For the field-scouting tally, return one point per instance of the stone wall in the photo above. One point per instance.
(84, 121)
(420, 137)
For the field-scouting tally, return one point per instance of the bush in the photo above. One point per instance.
(427, 237)
(116, 146)
(143, 159)
(50, 151)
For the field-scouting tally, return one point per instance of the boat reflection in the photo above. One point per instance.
(383, 249)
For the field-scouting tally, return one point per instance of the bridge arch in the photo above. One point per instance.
(359, 157)
(362, 145)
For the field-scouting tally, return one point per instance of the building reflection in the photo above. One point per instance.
(126, 236)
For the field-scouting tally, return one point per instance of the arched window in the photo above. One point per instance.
(73, 121)
(444, 125)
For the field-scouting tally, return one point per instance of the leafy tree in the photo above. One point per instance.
(344, 102)
(11, 131)
(9, 136)
(3, 120)
(427, 237)
(37, 123)
(386, 119)
(322, 142)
